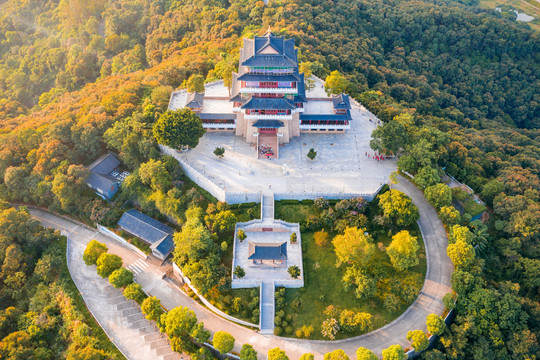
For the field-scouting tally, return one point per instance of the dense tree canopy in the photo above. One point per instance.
(178, 128)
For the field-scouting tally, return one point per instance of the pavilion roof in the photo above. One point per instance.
(267, 251)
(256, 103)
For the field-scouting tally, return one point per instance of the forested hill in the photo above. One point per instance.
(457, 88)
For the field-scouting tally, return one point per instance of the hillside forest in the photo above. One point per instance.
(456, 86)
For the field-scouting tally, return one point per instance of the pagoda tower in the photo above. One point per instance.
(268, 92)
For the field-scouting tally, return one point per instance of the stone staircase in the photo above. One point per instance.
(267, 308)
(267, 208)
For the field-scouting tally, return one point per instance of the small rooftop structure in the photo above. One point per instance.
(101, 177)
(341, 102)
(195, 100)
(268, 251)
(151, 231)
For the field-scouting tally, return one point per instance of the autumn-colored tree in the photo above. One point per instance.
(155, 174)
(461, 254)
(336, 83)
(107, 263)
(354, 246)
(93, 251)
(223, 342)
(151, 308)
(337, 354)
(195, 83)
(435, 324)
(277, 354)
(121, 277)
(394, 352)
(419, 340)
(398, 207)
(365, 354)
(439, 195)
(402, 250)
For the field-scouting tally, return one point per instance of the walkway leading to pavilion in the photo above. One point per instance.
(270, 144)
(267, 307)
(267, 207)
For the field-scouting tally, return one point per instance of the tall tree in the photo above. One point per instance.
(178, 128)
(402, 250)
(354, 247)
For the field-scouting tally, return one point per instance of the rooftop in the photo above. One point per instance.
(195, 100)
(267, 251)
(144, 227)
(104, 165)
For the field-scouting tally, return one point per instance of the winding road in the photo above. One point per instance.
(437, 284)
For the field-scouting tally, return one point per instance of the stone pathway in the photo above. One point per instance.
(267, 308)
(267, 207)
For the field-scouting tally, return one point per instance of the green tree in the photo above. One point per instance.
(438, 195)
(121, 277)
(449, 215)
(154, 173)
(178, 324)
(223, 342)
(402, 250)
(134, 292)
(435, 324)
(394, 352)
(178, 128)
(277, 354)
(336, 83)
(225, 221)
(461, 254)
(311, 154)
(366, 286)
(354, 246)
(365, 354)
(390, 138)
(293, 238)
(398, 207)
(195, 83)
(151, 308)
(107, 263)
(294, 271)
(419, 340)
(239, 272)
(248, 353)
(307, 356)
(426, 177)
(219, 152)
(337, 354)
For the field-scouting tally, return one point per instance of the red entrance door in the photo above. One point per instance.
(267, 130)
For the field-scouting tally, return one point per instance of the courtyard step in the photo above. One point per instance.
(267, 308)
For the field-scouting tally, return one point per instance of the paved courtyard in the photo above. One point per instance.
(341, 165)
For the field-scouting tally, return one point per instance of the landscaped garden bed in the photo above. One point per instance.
(326, 296)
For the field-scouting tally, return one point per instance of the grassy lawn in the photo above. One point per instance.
(323, 281)
(472, 207)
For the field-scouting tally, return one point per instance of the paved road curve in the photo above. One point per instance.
(437, 284)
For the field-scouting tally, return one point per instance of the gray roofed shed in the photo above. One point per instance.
(195, 100)
(104, 165)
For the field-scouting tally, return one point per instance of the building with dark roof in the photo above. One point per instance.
(269, 89)
(275, 252)
(154, 233)
(101, 178)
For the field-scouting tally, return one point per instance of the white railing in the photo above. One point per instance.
(258, 90)
(268, 116)
(309, 127)
(218, 126)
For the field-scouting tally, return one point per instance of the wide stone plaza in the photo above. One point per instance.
(340, 167)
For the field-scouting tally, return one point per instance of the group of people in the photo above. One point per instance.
(375, 156)
(267, 151)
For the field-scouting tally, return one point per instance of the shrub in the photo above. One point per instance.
(449, 300)
(107, 263)
(278, 331)
(329, 328)
(365, 354)
(391, 303)
(305, 331)
(223, 342)
(93, 251)
(294, 271)
(337, 354)
(293, 238)
(121, 277)
(248, 353)
(134, 292)
(277, 354)
(322, 238)
(239, 272)
(241, 235)
(219, 152)
(224, 246)
(419, 340)
(311, 154)
(151, 308)
(435, 324)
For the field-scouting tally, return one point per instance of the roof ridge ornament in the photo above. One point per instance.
(269, 32)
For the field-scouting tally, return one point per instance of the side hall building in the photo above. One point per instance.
(267, 104)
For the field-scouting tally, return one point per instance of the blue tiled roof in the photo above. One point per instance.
(301, 96)
(102, 183)
(268, 124)
(144, 227)
(253, 52)
(326, 117)
(268, 104)
(267, 251)
(104, 165)
(268, 77)
(212, 116)
(165, 247)
(341, 101)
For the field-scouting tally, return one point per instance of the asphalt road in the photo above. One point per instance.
(437, 284)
